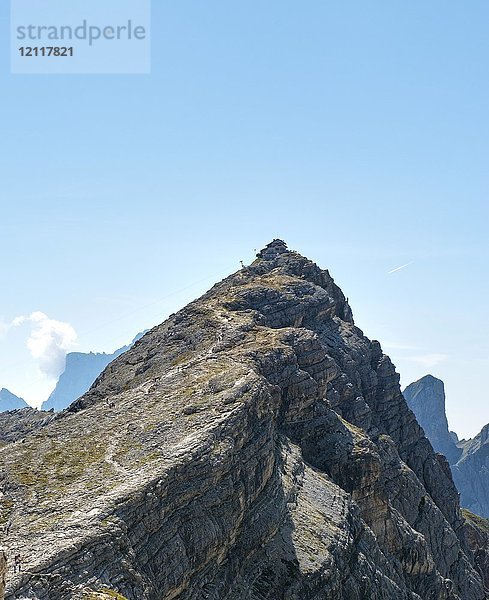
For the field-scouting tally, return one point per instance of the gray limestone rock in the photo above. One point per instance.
(15, 425)
(254, 446)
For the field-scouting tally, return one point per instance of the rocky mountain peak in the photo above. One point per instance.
(279, 265)
(254, 445)
(273, 249)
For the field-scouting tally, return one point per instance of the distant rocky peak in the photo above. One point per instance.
(9, 401)
(426, 398)
(428, 393)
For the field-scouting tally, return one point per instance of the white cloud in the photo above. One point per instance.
(428, 360)
(4, 327)
(49, 341)
(397, 346)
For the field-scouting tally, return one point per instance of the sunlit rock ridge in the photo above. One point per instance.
(256, 445)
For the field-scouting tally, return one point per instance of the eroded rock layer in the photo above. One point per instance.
(254, 446)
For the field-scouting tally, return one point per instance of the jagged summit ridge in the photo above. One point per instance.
(254, 445)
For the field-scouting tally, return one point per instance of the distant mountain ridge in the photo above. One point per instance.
(9, 401)
(471, 473)
(468, 459)
(81, 370)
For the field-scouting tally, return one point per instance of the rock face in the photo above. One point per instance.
(477, 530)
(9, 401)
(81, 370)
(426, 398)
(471, 473)
(469, 459)
(254, 446)
(15, 425)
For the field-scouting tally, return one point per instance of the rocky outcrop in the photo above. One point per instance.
(81, 370)
(254, 446)
(477, 530)
(17, 424)
(469, 459)
(426, 398)
(9, 401)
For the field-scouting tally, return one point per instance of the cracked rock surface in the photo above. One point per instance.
(254, 446)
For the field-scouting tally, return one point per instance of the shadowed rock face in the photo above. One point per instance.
(254, 446)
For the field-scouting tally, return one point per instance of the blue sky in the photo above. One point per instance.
(357, 132)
